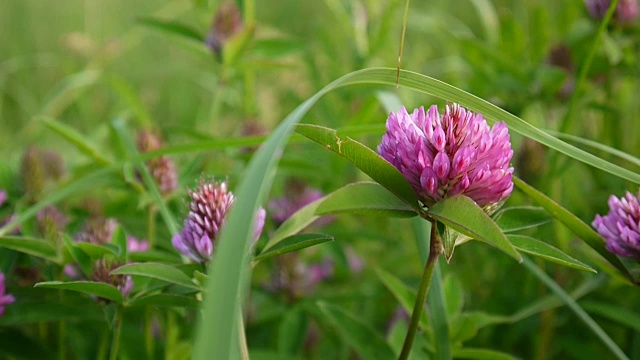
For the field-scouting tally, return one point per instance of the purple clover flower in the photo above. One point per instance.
(626, 11)
(5, 299)
(102, 273)
(621, 226)
(208, 209)
(456, 153)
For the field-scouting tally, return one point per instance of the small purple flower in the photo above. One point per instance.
(208, 209)
(297, 278)
(97, 230)
(3, 197)
(135, 245)
(456, 153)
(626, 11)
(5, 299)
(621, 226)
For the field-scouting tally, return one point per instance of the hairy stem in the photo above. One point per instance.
(435, 249)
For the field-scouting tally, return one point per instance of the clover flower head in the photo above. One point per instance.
(456, 153)
(97, 230)
(621, 226)
(208, 209)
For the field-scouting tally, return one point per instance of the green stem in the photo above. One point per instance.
(148, 332)
(151, 226)
(117, 330)
(435, 249)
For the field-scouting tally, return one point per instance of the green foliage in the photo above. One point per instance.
(325, 282)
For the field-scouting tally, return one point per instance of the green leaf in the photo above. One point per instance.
(98, 289)
(172, 27)
(405, 296)
(36, 247)
(155, 256)
(82, 259)
(584, 231)
(119, 240)
(166, 300)
(466, 217)
(25, 312)
(293, 225)
(521, 217)
(364, 198)
(543, 250)
(481, 354)
(361, 337)
(158, 271)
(364, 159)
(294, 243)
(95, 251)
(290, 337)
(80, 141)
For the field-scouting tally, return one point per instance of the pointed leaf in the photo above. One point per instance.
(36, 247)
(521, 217)
(465, 216)
(119, 240)
(158, 271)
(584, 231)
(296, 223)
(543, 250)
(98, 289)
(360, 336)
(81, 258)
(294, 243)
(365, 198)
(172, 27)
(95, 251)
(364, 159)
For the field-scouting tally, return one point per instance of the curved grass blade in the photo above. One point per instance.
(294, 243)
(598, 146)
(431, 86)
(586, 233)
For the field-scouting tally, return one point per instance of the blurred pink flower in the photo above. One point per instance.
(5, 299)
(135, 245)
